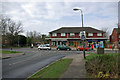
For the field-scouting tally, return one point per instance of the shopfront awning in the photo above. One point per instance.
(58, 39)
(65, 39)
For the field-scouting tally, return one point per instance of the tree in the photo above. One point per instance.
(22, 40)
(106, 30)
(15, 28)
(33, 37)
(43, 40)
(10, 29)
(3, 24)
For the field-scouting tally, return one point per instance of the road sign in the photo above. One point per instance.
(82, 35)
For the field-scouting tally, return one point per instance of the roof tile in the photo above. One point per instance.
(76, 30)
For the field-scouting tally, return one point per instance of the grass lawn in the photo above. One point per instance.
(102, 64)
(54, 70)
(10, 52)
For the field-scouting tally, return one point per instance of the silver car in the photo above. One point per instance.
(44, 47)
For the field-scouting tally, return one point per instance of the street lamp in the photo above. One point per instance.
(77, 9)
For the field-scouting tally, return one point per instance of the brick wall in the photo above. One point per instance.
(114, 36)
(75, 36)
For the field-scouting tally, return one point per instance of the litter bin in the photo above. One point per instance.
(100, 50)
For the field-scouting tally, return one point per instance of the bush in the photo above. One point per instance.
(105, 63)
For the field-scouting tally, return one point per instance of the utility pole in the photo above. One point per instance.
(76, 9)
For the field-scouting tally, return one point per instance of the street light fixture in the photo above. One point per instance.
(77, 9)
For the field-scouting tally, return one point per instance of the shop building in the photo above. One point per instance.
(70, 36)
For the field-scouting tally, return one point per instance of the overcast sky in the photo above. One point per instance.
(44, 17)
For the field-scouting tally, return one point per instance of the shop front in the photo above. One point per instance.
(96, 43)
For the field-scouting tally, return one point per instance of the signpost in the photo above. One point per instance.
(83, 37)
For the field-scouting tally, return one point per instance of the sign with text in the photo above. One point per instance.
(82, 35)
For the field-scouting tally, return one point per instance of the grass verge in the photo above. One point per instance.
(10, 52)
(102, 64)
(54, 70)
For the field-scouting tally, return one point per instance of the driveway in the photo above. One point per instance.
(24, 65)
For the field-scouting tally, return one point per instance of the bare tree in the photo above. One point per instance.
(106, 30)
(9, 26)
(10, 29)
(33, 37)
(15, 29)
(3, 24)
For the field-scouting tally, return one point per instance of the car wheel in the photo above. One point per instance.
(58, 49)
(68, 49)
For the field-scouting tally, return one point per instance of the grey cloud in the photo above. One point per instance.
(50, 15)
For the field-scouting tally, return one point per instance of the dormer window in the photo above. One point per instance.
(90, 34)
(99, 34)
(72, 34)
(54, 34)
(62, 34)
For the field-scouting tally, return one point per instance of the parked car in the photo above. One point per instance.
(44, 47)
(63, 47)
(80, 48)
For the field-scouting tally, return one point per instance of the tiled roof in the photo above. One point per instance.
(76, 30)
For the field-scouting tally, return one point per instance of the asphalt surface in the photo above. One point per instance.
(25, 65)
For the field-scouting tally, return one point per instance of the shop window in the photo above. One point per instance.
(90, 34)
(53, 44)
(70, 43)
(99, 34)
(54, 34)
(72, 34)
(62, 34)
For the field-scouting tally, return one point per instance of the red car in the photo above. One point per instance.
(79, 48)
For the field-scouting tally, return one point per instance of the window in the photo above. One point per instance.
(119, 36)
(71, 43)
(99, 34)
(54, 34)
(62, 34)
(53, 44)
(90, 34)
(72, 34)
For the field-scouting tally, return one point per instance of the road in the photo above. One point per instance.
(25, 65)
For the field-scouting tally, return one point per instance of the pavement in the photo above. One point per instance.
(6, 56)
(76, 69)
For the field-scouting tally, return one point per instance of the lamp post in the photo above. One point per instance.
(77, 9)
